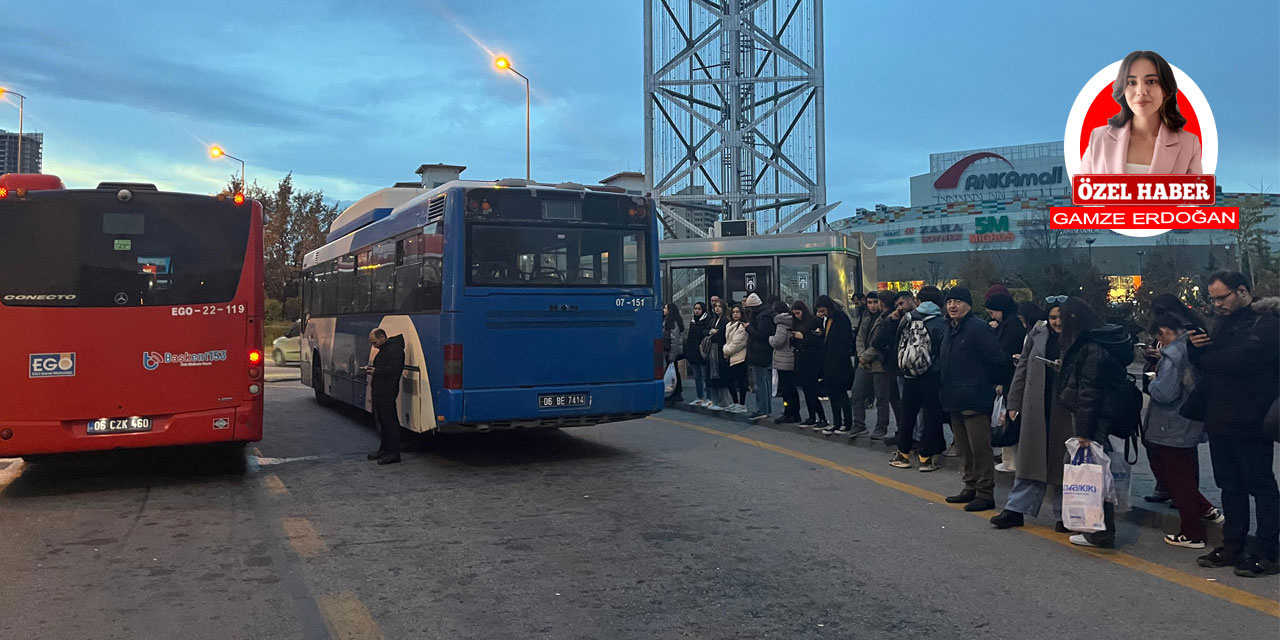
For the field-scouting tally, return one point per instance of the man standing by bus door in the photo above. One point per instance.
(386, 370)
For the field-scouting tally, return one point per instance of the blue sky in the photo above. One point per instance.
(353, 96)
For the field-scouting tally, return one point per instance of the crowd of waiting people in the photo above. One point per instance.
(930, 360)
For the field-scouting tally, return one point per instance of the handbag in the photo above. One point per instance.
(1004, 431)
(704, 347)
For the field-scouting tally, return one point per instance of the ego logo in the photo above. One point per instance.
(151, 360)
(51, 365)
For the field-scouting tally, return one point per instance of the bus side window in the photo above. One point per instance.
(383, 261)
(364, 281)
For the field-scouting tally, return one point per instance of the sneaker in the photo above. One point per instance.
(843, 431)
(823, 399)
(856, 431)
(828, 431)
(810, 422)
(759, 416)
(1003, 469)
(879, 434)
(929, 463)
(1183, 541)
(951, 452)
(1214, 515)
(1251, 568)
(1157, 497)
(963, 497)
(1007, 519)
(695, 402)
(1218, 558)
(1060, 528)
(821, 425)
(1097, 539)
(714, 407)
(899, 460)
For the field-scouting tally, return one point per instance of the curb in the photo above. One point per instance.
(1140, 513)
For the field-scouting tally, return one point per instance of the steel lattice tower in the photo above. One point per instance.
(734, 113)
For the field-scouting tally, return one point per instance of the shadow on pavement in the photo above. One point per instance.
(510, 449)
(90, 472)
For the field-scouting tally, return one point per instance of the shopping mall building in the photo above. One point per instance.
(998, 200)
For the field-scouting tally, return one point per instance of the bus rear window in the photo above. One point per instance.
(89, 249)
(506, 255)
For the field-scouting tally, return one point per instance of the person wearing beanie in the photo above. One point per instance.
(760, 327)
(972, 366)
(1012, 334)
(837, 362)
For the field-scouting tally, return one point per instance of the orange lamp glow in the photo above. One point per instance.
(502, 63)
(216, 152)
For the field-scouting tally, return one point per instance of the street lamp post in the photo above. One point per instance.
(1090, 241)
(22, 102)
(1140, 254)
(217, 152)
(505, 64)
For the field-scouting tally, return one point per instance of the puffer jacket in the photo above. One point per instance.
(735, 343)
(759, 331)
(1239, 374)
(675, 343)
(784, 355)
(1086, 365)
(1173, 384)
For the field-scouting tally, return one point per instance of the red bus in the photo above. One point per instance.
(130, 317)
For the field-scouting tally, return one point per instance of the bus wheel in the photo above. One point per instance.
(232, 457)
(317, 383)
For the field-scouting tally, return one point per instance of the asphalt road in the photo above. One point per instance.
(670, 527)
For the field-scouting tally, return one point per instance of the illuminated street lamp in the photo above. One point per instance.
(22, 102)
(216, 152)
(504, 64)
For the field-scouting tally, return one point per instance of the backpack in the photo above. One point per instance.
(915, 354)
(1122, 408)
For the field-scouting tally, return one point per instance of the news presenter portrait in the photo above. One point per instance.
(1146, 136)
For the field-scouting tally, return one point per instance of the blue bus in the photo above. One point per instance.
(522, 305)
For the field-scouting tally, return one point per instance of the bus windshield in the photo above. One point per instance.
(88, 249)
(514, 239)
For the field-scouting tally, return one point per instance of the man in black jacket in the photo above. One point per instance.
(760, 328)
(387, 367)
(920, 389)
(972, 367)
(1238, 363)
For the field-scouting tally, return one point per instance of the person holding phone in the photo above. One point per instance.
(806, 337)
(718, 377)
(1045, 428)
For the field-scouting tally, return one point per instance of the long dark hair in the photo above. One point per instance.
(1077, 318)
(674, 319)
(1169, 113)
(779, 307)
(803, 308)
(1031, 313)
(1169, 304)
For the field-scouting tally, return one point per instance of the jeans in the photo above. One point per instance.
(699, 373)
(920, 400)
(812, 403)
(973, 440)
(1242, 468)
(1026, 496)
(841, 411)
(1176, 467)
(762, 384)
(790, 396)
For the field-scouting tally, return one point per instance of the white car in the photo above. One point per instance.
(288, 347)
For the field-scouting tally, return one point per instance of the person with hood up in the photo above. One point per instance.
(837, 362)
(760, 354)
(1092, 354)
(784, 362)
(1012, 334)
(386, 370)
(920, 389)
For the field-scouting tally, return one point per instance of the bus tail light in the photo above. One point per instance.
(453, 366)
(255, 357)
(254, 389)
(659, 360)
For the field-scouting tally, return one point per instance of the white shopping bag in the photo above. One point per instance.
(997, 412)
(1084, 484)
(669, 379)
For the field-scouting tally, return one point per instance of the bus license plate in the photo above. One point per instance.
(563, 400)
(119, 425)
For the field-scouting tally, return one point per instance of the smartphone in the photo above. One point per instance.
(1140, 345)
(1191, 328)
(1047, 361)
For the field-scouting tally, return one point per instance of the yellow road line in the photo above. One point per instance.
(303, 537)
(275, 485)
(347, 618)
(1214, 589)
